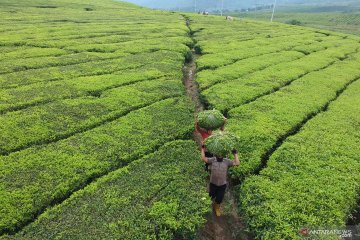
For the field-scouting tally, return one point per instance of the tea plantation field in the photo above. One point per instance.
(346, 21)
(96, 126)
(87, 89)
(291, 95)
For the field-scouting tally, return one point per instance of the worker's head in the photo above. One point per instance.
(219, 158)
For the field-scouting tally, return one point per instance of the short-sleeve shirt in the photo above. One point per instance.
(219, 170)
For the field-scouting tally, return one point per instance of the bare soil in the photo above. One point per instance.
(191, 86)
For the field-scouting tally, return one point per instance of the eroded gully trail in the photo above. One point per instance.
(229, 226)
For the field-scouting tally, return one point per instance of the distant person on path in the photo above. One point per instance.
(204, 134)
(218, 176)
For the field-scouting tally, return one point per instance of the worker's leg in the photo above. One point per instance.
(220, 193)
(217, 193)
(219, 196)
(212, 191)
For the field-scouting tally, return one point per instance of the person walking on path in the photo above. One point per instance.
(204, 134)
(218, 176)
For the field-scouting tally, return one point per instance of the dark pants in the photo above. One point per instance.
(217, 192)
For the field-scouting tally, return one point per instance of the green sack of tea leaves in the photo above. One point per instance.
(211, 119)
(221, 143)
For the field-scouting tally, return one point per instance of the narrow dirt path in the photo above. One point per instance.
(192, 90)
(229, 226)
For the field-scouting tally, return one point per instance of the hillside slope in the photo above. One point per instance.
(96, 128)
(290, 95)
(87, 88)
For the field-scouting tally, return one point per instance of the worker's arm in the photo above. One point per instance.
(223, 126)
(236, 160)
(203, 157)
(198, 129)
(196, 126)
(197, 132)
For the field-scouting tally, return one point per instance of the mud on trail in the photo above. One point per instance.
(229, 226)
(191, 86)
